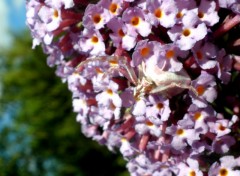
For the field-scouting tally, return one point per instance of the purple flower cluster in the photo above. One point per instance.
(145, 76)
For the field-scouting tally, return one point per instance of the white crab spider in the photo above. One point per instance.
(149, 80)
(153, 80)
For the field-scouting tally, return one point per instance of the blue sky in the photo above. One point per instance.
(12, 18)
(17, 14)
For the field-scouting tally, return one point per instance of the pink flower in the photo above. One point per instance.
(95, 16)
(136, 21)
(189, 32)
(115, 7)
(162, 12)
(189, 168)
(182, 136)
(205, 86)
(121, 36)
(158, 106)
(205, 54)
(51, 17)
(207, 12)
(224, 66)
(92, 42)
(168, 58)
(59, 3)
(226, 167)
(143, 51)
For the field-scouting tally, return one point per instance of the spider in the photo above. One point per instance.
(149, 80)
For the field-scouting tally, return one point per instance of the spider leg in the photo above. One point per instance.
(79, 66)
(189, 87)
(141, 70)
(127, 70)
(164, 88)
(116, 63)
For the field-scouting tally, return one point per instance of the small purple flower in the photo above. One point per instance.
(109, 95)
(182, 136)
(115, 7)
(221, 127)
(224, 66)
(142, 52)
(135, 19)
(148, 127)
(205, 54)
(183, 7)
(92, 42)
(95, 16)
(139, 107)
(142, 165)
(225, 168)
(31, 14)
(205, 86)
(51, 17)
(200, 117)
(121, 36)
(158, 106)
(222, 144)
(162, 12)
(207, 12)
(190, 168)
(38, 25)
(226, 3)
(187, 34)
(59, 3)
(168, 58)
(75, 82)
(81, 107)
(55, 57)
(126, 149)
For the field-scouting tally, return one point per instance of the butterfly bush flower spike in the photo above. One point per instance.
(157, 80)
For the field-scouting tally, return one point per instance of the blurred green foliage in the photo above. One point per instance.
(38, 131)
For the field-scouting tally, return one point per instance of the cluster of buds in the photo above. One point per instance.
(149, 78)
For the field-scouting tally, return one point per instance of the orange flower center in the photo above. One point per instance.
(186, 32)
(200, 89)
(221, 127)
(223, 172)
(144, 51)
(158, 13)
(180, 132)
(96, 18)
(169, 54)
(200, 14)
(159, 106)
(55, 14)
(109, 91)
(94, 39)
(179, 15)
(113, 7)
(113, 62)
(121, 33)
(199, 55)
(135, 21)
(148, 123)
(98, 70)
(192, 173)
(197, 116)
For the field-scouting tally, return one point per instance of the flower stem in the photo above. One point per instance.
(225, 27)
